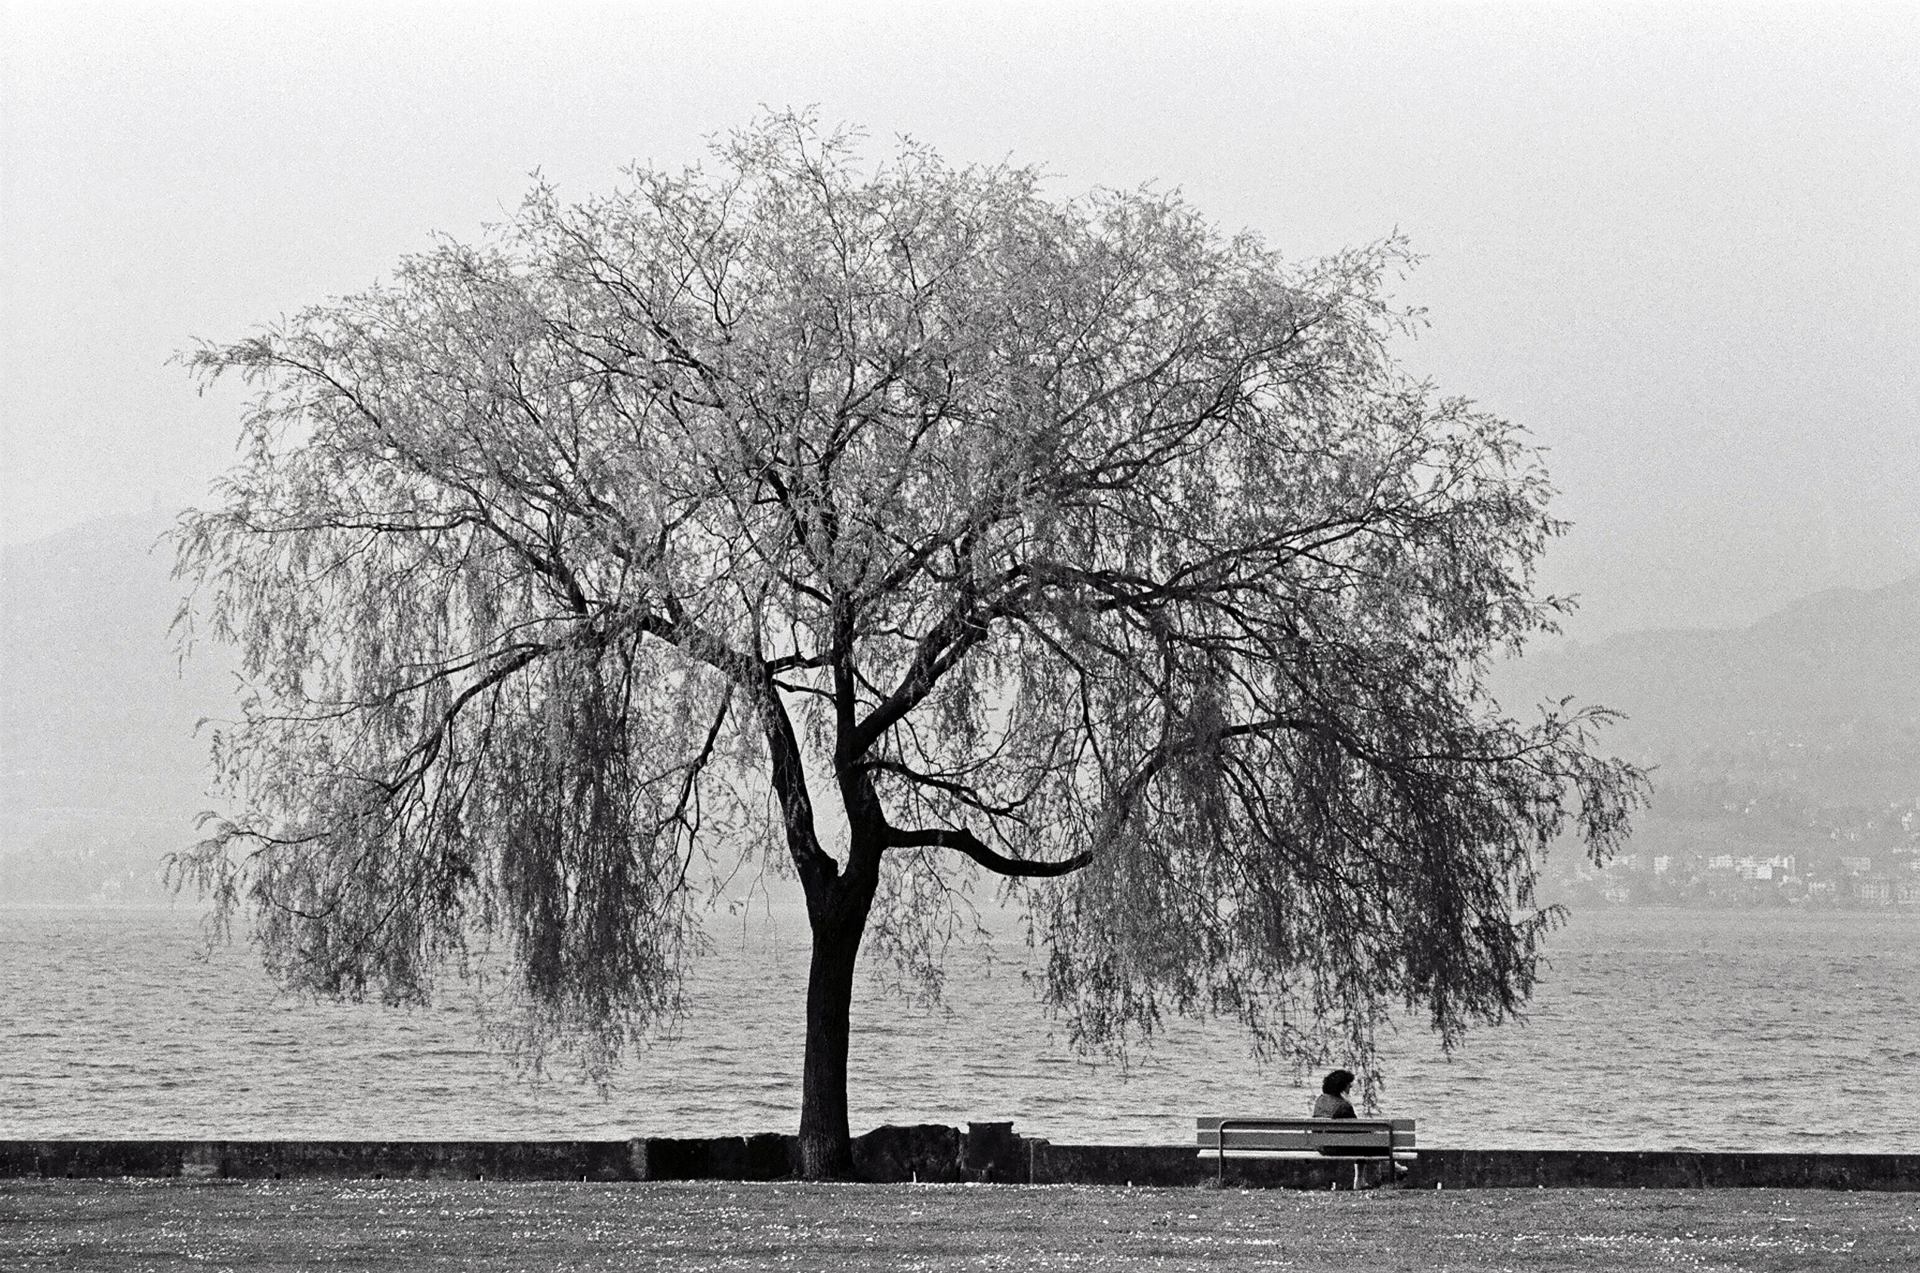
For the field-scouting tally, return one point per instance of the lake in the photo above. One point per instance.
(1758, 1030)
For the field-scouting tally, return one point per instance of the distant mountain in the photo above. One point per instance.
(1820, 700)
(98, 753)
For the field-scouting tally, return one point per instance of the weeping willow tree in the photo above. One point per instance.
(911, 524)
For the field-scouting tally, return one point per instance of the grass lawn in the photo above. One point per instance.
(115, 1226)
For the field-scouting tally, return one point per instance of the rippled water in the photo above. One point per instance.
(1716, 1030)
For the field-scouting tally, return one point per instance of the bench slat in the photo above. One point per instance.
(1238, 1140)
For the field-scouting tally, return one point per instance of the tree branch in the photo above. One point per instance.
(966, 842)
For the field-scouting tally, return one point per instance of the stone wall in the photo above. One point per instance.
(1669, 1169)
(273, 1160)
(984, 1152)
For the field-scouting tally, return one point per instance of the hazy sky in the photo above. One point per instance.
(1680, 243)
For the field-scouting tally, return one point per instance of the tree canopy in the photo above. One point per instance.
(910, 523)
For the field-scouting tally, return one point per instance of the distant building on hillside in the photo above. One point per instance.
(1873, 890)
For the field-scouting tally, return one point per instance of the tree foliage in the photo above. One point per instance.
(909, 522)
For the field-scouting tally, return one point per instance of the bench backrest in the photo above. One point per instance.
(1305, 1135)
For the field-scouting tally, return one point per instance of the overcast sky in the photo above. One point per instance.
(1682, 247)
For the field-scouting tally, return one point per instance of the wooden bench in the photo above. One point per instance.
(1304, 1138)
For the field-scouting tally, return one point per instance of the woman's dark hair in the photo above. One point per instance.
(1337, 1083)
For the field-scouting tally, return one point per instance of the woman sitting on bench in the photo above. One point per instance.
(1332, 1101)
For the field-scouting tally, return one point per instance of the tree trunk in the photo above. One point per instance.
(837, 906)
(826, 1147)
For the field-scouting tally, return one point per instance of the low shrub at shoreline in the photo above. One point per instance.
(115, 1226)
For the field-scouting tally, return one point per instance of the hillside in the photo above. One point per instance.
(1819, 701)
(98, 754)
(1786, 755)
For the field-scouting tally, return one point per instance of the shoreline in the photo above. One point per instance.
(982, 1153)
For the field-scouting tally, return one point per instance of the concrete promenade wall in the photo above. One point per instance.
(984, 1152)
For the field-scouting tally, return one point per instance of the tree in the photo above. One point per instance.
(912, 523)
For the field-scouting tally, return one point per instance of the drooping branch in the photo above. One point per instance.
(967, 843)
